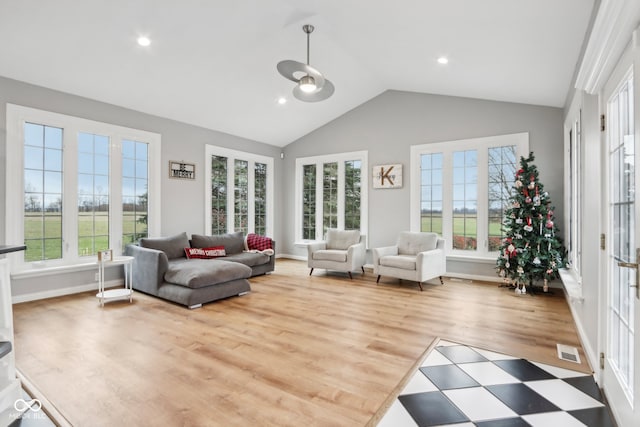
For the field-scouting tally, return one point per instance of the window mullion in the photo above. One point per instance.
(447, 199)
(251, 196)
(231, 197)
(70, 194)
(341, 194)
(115, 194)
(319, 200)
(482, 221)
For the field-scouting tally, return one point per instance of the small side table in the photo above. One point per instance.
(111, 294)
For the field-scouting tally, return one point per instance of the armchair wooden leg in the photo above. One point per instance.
(441, 281)
(362, 269)
(350, 276)
(311, 272)
(420, 285)
(378, 279)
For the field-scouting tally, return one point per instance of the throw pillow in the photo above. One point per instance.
(205, 253)
(255, 242)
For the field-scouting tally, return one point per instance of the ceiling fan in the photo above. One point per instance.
(311, 86)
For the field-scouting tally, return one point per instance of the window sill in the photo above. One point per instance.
(487, 259)
(572, 284)
(304, 243)
(48, 271)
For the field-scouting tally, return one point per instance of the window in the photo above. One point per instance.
(248, 205)
(331, 191)
(42, 192)
(93, 193)
(575, 194)
(460, 189)
(218, 195)
(70, 172)
(502, 172)
(309, 202)
(241, 196)
(465, 199)
(431, 192)
(135, 191)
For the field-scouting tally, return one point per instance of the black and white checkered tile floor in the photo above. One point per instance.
(464, 386)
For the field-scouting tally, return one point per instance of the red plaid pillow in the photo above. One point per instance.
(259, 243)
(205, 253)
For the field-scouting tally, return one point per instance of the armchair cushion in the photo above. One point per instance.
(330, 255)
(342, 239)
(405, 262)
(410, 243)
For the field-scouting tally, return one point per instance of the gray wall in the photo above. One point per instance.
(182, 201)
(388, 125)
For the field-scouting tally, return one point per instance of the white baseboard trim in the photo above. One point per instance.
(592, 357)
(295, 257)
(473, 277)
(64, 291)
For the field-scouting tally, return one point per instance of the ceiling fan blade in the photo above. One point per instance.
(318, 95)
(288, 67)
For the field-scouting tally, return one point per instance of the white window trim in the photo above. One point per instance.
(232, 155)
(340, 158)
(573, 178)
(14, 228)
(520, 140)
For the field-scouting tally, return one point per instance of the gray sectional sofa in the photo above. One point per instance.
(162, 269)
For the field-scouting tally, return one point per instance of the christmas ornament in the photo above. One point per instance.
(528, 227)
(518, 183)
(537, 261)
(516, 204)
(536, 198)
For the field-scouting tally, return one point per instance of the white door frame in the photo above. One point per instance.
(624, 413)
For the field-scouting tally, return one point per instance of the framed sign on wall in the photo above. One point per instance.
(182, 170)
(387, 176)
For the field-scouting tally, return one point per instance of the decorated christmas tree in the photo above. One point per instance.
(531, 250)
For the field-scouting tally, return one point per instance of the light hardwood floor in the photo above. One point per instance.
(298, 350)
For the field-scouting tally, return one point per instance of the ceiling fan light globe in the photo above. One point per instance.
(307, 84)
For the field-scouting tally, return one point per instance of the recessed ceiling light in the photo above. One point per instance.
(443, 60)
(144, 41)
(282, 100)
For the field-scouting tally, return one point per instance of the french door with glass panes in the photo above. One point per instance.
(620, 317)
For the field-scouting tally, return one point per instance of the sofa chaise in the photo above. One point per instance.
(161, 268)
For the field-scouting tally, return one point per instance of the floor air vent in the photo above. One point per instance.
(570, 354)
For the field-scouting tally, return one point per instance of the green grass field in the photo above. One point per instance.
(459, 226)
(43, 235)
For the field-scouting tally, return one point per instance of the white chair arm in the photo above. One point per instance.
(383, 251)
(356, 255)
(316, 246)
(430, 264)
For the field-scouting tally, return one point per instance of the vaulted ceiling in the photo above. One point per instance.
(212, 63)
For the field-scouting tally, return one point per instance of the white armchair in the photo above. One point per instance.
(344, 250)
(416, 256)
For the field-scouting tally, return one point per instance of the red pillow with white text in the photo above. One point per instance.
(205, 253)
